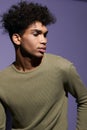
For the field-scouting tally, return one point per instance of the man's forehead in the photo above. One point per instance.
(38, 26)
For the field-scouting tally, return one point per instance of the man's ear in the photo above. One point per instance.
(16, 39)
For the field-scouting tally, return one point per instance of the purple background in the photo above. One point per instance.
(68, 38)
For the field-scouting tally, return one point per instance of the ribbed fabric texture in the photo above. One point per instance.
(38, 99)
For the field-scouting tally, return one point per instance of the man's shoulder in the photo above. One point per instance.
(57, 58)
(5, 70)
(58, 62)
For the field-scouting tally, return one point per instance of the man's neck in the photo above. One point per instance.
(27, 64)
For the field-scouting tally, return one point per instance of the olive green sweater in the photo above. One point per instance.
(38, 99)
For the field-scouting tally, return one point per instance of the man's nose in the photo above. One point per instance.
(43, 40)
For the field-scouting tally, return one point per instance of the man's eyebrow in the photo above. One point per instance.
(39, 31)
(46, 32)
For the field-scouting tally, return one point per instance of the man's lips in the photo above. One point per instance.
(42, 49)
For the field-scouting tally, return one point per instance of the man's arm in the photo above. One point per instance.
(2, 118)
(77, 89)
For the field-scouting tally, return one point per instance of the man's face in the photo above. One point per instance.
(34, 40)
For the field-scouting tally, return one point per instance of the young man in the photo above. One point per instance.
(35, 87)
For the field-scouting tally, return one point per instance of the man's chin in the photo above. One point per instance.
(40, 55)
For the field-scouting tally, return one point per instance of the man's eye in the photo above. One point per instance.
(45, 35)
(35, 34)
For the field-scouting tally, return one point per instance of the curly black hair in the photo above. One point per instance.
(20, 16)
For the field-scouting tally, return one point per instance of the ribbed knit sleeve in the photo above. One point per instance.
(79, 91)
(2, 118)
